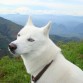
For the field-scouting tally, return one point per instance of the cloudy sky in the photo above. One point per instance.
(66, 7)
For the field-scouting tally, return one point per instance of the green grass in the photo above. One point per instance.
(73, 51)
(13, 70)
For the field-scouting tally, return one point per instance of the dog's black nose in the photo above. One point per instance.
(12, 46)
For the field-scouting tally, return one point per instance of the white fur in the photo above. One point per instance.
(39, 53)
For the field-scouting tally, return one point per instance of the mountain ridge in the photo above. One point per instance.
(8, 31)
(62, 25)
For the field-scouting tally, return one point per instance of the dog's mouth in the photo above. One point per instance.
(12, 47)
(11, 51)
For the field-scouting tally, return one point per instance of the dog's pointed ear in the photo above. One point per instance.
(46, 28)
(29, 23)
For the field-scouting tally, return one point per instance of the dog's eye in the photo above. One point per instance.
(18, 35)
(30, 40)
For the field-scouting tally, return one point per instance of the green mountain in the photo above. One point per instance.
(8, 31)
(57, 38)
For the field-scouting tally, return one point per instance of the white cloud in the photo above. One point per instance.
(24, 7)
(52, 4)
(25, 10)
(19, 2)
(22, 10)
(6, 11)
(31, 1)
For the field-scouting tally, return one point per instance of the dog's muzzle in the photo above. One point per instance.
(12, 47)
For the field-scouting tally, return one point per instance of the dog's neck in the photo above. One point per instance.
(43, 56)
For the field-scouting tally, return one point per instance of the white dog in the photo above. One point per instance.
(42, 58)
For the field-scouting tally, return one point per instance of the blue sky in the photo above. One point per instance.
(65, 7)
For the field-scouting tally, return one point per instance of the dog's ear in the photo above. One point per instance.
(29, 23)
(46, 28)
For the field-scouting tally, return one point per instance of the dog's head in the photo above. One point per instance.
(30, 39)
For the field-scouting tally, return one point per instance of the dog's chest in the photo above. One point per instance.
(48, 76)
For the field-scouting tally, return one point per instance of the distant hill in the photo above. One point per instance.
(62, 25)
(8, 31)
(57, 38)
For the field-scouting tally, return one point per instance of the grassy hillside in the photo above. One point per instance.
(73, 51)
(13, 71)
